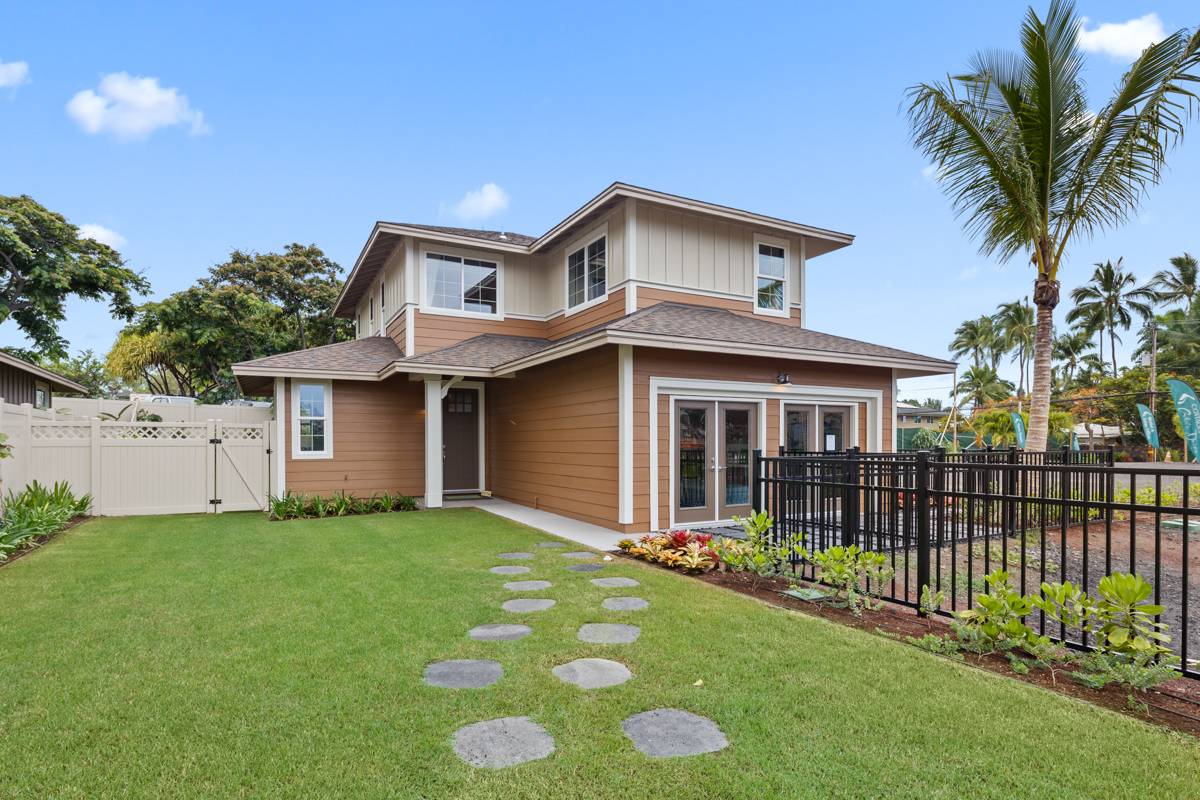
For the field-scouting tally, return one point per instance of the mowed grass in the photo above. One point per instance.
(228, 656)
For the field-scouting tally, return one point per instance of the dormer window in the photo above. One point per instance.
(587, 272)
(770, 277)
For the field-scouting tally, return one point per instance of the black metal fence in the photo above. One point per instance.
(947, 520)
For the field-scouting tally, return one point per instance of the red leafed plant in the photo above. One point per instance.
(680, 539)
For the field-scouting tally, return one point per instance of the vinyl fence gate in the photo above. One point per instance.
(146, 467)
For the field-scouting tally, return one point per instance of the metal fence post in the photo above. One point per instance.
(922, 479)
(756, 498)
(1010, 489)
(850, 487)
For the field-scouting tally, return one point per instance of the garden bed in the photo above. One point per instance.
(1174, 705)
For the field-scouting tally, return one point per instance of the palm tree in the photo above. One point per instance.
(979, 339)
(981, 385)
(1111, 296)
(1016, 327)
(1176, 285)
(1030, 167)
(1069, 348)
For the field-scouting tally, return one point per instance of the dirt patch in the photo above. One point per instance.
(1174, 705)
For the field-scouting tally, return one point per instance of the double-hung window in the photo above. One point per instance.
(587, 272)
(458, 283)
(312, 419)
(770, 277)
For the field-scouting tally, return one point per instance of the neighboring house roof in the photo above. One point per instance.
(925, 411)
(56, 381)
(677, 325)
(385, 235)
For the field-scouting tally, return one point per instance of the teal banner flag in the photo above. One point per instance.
(1075, 442)
(1187, 408)
(1149, 426)
(1018, 429)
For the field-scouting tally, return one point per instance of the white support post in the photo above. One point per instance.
(96, 472)
(433, 442)
(625, 435)
(279, 446)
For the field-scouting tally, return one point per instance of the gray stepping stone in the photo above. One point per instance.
(624, 603)
(615, 583)
(502, 742)
(463, 673)
(667, 732)
(516, 556)
(586, 567)
(555, 545)
(499, 632)
(593, 673)
(527, 604)
(580, 554)
(608, 633)
(509, 570)
(527, 586)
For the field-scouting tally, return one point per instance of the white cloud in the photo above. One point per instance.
(1124, 40)
(478, 204)
(13, 73)
(102, 235)
(133, 107)
(967, 273)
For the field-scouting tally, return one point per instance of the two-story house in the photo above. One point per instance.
(617, 369)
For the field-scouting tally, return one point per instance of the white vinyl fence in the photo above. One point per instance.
(141, 467)
(86, 408)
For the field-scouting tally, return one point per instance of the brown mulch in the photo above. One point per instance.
(1174, 705)
(36, 542)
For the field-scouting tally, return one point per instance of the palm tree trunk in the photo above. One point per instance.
(1112, 340)
(1039, 406)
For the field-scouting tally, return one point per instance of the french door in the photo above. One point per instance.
(713, 443)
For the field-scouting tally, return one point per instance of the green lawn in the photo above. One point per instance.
(226, 656)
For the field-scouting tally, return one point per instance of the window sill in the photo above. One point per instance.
(453, 312)
(772, 312)
(585, 306)
(300, 456)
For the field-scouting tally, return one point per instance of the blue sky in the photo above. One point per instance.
(307, 122)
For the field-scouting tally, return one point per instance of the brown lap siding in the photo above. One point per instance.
(378, 441)
(658, 363)
(552, 437)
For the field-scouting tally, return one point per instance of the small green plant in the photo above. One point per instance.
(36, 512)
(846, 569)
(300, 506)
(1126, 624)
(996, 623)
(931, 602)
(939, 645)
(1138, 673)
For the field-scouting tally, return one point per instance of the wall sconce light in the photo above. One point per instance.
(783, 379)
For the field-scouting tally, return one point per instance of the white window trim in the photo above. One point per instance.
(427, 306)
(785, 245)
(599, 232)
(327, 388)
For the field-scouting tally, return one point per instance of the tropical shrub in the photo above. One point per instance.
(856, 575)
(300, 506)
(996, 623)
(37, 512)
(691, 552)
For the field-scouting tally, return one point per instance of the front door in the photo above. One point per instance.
(460, 441)
(713, 443)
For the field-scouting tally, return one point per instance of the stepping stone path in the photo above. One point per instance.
(608, 633)
(499, 632)
(502, 742)
(527, 586)
(624, 604)
(615, 583)
(667, 732)
(505, 742)
(527, 604)
(463, 673)
(509, 570)
(592, 673)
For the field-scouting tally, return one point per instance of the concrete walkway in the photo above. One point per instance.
(584, 533)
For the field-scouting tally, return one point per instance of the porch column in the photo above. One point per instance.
(433, 442)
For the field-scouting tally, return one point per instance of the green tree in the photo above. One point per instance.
(1178, 340)
(302, 281)
(979, 339)
(996, 425)
(1028, 165)
(89, 371)
(1016, 328)
(1112, 296)
(43, 261)
(1069, 349)
(980, 386)
(1176, 284)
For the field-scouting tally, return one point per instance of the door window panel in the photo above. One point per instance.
(737, 456)
(693, 486)
(797, 430)
(832, 427)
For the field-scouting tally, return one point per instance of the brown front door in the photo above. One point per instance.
(733, 468)
(460, 441)
(694, 456)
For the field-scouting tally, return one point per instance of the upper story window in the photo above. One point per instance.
(587, 272)
(458, 283)
(312, 419)
(41, 395)
(770, 278)
(371, 309)
(383, 299)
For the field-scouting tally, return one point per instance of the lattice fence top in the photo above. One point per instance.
(240, 433)
(160, 431)
(60, 433)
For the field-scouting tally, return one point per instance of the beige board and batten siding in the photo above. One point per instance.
(391, 279)
(552, 437)
(378, 441)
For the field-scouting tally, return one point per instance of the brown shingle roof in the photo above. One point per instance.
(486, 351)
(475, 233)
(360, 355)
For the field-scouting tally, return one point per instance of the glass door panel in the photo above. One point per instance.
(737, 440)
(694, 454)
(797, 427)
(833, 430)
